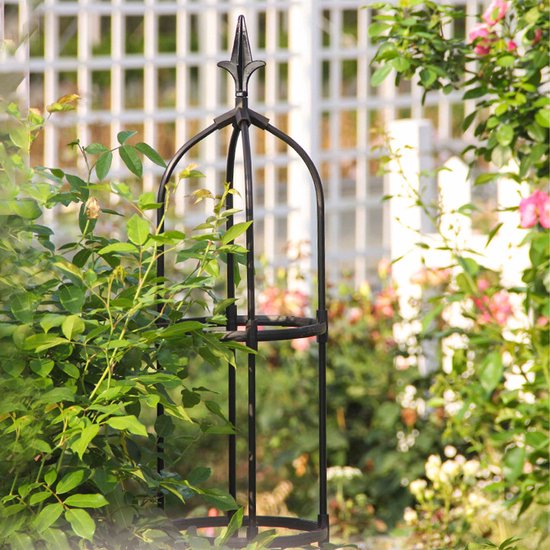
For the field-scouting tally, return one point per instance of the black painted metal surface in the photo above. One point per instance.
(244, 328)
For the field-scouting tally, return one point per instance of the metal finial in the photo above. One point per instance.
(241, 66)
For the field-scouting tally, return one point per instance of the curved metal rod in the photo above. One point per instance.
(161, 195)
(320, 197)
(161, 198)
(322, 317)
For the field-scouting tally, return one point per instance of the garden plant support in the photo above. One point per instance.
(246, 327)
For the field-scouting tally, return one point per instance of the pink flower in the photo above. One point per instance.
(277, 301)
(511, 46)
(481, 30)
(483, 37)
(542, 321)
(483, 284)
(537, 36)
(495, 12)
(302, 344)
(494, 309)
(500, 307)
(385, 302)
(354, 315)
(535, 208)
(212, 513)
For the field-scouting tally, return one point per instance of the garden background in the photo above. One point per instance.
(439, 356)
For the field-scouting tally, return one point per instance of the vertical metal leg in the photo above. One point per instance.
(323, 515)
(231, 325)
(252, 340)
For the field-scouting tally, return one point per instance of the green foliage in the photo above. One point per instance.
(511, 114)
(91, 343)
(496, 394)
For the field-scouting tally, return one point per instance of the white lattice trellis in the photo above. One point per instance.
(151, 66)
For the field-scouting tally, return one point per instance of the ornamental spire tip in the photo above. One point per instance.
(241, 65)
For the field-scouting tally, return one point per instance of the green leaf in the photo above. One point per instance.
(501, 155)
(57, 395)
(220, 499)
(129, 423)
(37, 498)
(164, 426)
(50, 476)
(125, 135)
(118, 247)
(22, 541)
(26, 208)
(486, 178)
(427, 77)
(95, 149)
(543, 118)
(20, 137)
(131, 159)
(537, 440)
(491, 371)
(41, 367)
(506, 61)
(81, 444)
(400, 64)
(56, 538)
(233, 526)
(376, 29)
(21, 305)
(81, 522)
(72, 326)
(536, 132)
(468, 120)
(47, 516)
(380, 75)
(513, 463)
(234, 231)
(198, 475)
(72, 298)
(492, 233)
(505, 135)
(86, 501)
(138, 230)
(71, 480)
(474, 93)
(103, 165)
(42, 342)
(151, 154)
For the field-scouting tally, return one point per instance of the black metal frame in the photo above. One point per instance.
(241, 66)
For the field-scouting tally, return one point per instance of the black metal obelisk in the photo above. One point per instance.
(244, 327)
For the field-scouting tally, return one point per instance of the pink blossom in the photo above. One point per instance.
(302, 344)
(537, 36)
(495, 12)
(385, 302)
(483, 37)
(277, 301)
(481, 30)
(431, 276)
(483, 284)
(354, 315)
(212, 513)
(494, 309)
(535, 208)
(511, 46)
(542, 321)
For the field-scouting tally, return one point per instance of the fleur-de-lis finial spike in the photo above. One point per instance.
(241, 66)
